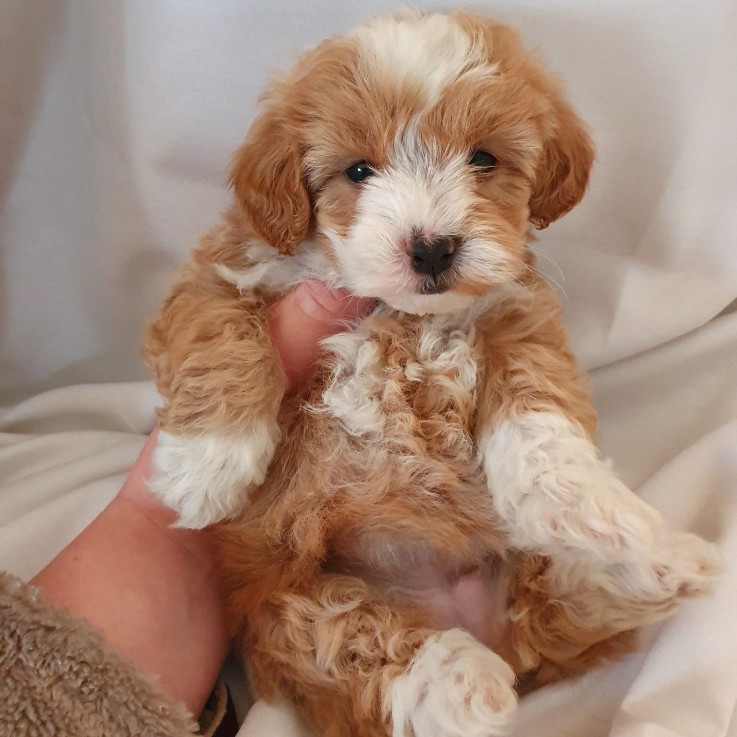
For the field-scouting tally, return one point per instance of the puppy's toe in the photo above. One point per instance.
(455, 687)
(679, 565)
(689, 565)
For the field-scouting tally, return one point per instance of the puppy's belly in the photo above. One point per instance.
(446, 594)
(398, 411)
(475, 601)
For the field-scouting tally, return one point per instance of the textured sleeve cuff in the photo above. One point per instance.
(58, 676)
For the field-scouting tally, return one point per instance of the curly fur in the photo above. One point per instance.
(436, 473)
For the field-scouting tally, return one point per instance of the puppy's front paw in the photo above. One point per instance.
(685, 566)
(455, 687)
(206, 478)
(679, 565)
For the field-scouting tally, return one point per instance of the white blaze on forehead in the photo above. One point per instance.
(427, 51)
(418, 190)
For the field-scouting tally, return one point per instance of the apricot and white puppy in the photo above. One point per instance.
(405, 162)
(370, 156)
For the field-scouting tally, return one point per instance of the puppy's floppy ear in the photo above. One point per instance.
(266, 175)
(565, 164)
(568, 153)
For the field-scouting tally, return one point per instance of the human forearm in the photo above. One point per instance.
(151, 589)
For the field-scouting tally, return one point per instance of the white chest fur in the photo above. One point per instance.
(422, 368)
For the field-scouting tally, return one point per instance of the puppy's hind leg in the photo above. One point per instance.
(357, 667)
(552, 633)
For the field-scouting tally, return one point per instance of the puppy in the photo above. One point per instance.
(427, 519)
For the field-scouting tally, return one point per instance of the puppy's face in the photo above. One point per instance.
(415, 151)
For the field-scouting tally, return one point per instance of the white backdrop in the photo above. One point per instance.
(116, 123)
(118, 119)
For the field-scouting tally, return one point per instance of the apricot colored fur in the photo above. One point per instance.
(378, 472)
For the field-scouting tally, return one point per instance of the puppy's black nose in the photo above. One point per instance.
(433, 255)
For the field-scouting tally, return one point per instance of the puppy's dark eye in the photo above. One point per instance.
(359, 171)
(483, 160)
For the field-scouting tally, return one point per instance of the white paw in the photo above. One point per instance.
(557, 496)
(206, 478)
(650, 586)
(684, 565)
(455, 687)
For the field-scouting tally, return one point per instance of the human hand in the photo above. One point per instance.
(304, 317)
(298, 322)
(151, 588)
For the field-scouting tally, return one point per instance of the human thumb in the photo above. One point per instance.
(304, 317)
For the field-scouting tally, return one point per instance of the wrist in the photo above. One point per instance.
(152, 589)
(157, 523)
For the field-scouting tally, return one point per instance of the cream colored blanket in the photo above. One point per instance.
(116, 122)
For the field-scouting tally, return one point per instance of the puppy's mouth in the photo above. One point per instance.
(435, 284)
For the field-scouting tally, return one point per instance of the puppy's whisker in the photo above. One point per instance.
(522, 284)
(548, 279)
(543, 276)
(548, 258)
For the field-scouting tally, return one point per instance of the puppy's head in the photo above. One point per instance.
(415, 151)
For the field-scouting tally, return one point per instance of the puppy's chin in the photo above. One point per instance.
(424, 304)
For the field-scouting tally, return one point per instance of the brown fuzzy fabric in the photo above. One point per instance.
(59, 678)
